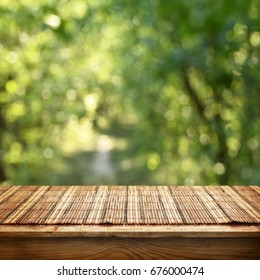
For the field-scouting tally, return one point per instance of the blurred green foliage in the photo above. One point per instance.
(129, 92)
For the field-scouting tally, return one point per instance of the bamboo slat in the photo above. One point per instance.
(129, 205)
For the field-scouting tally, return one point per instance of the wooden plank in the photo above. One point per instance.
(111, 248)
(185, 231)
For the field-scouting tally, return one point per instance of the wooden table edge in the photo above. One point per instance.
(186, 231)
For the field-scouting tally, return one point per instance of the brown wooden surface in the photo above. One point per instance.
(209, 223)
(184, 231)
(129, 248)
(129, 205)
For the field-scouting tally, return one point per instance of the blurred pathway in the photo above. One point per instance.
(102, 165)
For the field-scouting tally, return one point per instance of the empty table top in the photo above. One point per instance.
(129, 205)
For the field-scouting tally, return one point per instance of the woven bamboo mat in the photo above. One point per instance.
(129, 205)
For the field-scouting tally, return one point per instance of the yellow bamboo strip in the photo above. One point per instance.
(60, 207)
(23, 208)
(4, 189)
(250, 195)
(14, 201)
(256, 189)
(242, 204)
(210, 204)
(99, 205)
(170, 207)
(228, 206)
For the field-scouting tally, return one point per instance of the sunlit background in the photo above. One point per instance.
(129, 92)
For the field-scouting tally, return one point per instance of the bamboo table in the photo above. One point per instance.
(130, 222)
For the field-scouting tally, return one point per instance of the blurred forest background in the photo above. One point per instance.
(129, 92)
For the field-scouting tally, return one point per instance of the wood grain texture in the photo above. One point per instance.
(184, 231)
(114, 248)
(135, 222)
